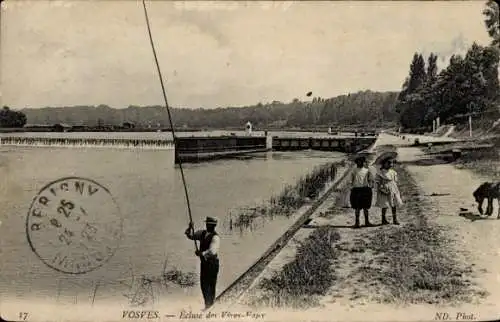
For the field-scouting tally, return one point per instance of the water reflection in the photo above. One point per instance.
(149, 191)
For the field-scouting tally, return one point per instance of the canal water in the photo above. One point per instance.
(148, 189)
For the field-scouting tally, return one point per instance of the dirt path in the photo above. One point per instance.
(480, 239)
(355, 296)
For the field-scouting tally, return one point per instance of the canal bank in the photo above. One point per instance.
(299, 233)
(247, 280)
(435, 261)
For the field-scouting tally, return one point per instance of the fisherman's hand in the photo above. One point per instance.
(189, 229)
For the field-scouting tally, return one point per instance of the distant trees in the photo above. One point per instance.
(467, 84)
(365, 107)
(128, 125)
(492, 22)
(11, 119)
(410, 101)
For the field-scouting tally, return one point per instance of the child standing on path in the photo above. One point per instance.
(388, 194)
(361, 191)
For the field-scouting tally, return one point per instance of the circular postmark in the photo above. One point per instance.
(74, 225)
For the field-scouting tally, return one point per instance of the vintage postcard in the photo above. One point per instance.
(249, 161)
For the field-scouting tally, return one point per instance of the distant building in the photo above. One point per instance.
(248, 128)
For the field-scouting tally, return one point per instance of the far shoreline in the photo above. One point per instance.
(49, 129)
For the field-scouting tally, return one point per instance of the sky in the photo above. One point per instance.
(217, 54)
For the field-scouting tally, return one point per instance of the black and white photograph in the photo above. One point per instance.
(249, 160)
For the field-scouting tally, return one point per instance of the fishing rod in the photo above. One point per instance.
(170, 119)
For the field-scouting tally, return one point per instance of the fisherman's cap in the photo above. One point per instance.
(211, 220)
(360, 158)
(387, 159)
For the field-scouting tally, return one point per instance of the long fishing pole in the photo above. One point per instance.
(169, 118)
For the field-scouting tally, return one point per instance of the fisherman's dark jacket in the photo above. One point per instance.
(206, 240)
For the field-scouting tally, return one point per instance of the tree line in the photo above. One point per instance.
(10, 118)
(362, 108)
(468, 85)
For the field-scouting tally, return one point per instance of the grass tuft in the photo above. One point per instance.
(301, 281)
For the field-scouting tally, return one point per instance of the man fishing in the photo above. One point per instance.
(208, 253)
(209, 240)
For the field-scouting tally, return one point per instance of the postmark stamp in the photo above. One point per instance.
(74, 225)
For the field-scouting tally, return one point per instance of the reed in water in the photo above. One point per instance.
(291, 198)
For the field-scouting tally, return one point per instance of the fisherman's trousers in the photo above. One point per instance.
(208, 279)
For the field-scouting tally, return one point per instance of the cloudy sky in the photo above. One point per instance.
(63, 53)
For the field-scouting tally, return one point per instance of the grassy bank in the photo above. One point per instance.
(411, 263)
(415, 263)
(485, 162)
(485, 128)
(291, 198)
(300, 283)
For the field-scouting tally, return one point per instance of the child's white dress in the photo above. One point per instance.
(389, 180)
